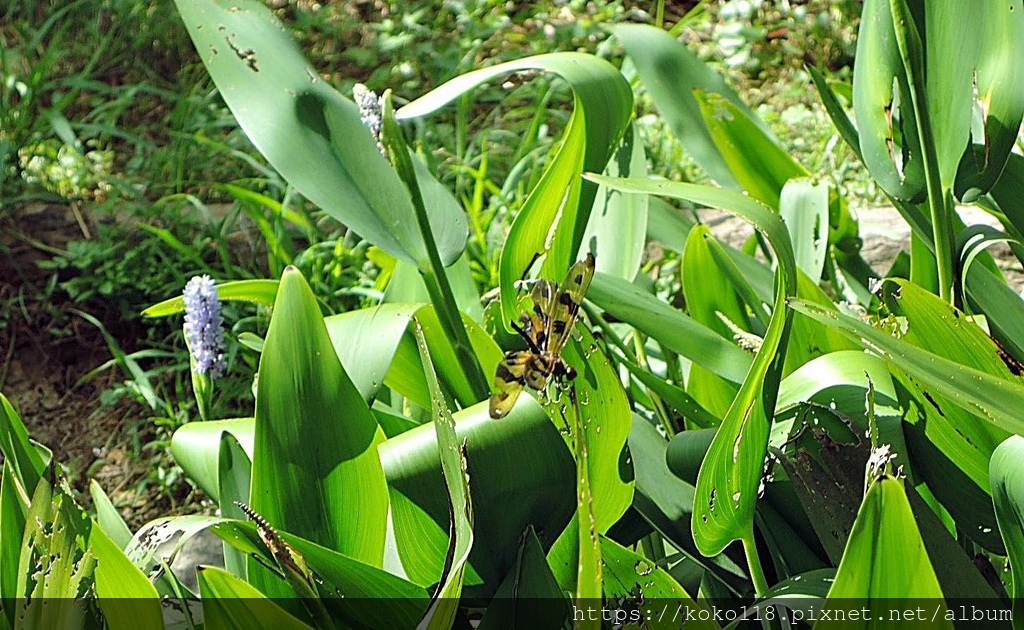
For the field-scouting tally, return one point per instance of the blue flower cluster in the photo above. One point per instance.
(204, 326)
(370, 111)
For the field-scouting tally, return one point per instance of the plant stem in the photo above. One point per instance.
(754, 563)
(939, 197)
(434, 276)
(441, 295)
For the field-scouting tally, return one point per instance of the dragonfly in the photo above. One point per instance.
(545, 329)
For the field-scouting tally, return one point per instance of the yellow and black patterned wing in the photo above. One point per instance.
(509, 380)
(566, 304)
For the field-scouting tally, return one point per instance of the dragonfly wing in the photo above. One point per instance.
(509, 380)
(566, 305)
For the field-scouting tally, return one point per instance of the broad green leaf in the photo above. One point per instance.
(839, 381)
(804, 206)
(952, 464)
(108, 518)
(999, 32)
(196, 447)
(885, 558)
(726, 492)
(602, 106)
(882, 105)
(120, 585)
(27, 463)
(260, 292)
(551, 207)
(935, 326)
(671, 74)
(366, 340)
(316, 441)
(825, 465)
(992, 398)
(949, 79)
(308, 132)
(709, 299)
(674, 329)
(1008, 496)
(529, 597)
(152, 545)
(443, 606)
(756, 160)
(522, 474)
(230, 603)
(618, 223)
(627, 572)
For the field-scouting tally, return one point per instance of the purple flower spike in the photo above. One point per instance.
(370, 111)
(204, 327)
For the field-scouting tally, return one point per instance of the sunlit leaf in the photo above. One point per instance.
(885, 558)
(260, 292)
(230, 603)
(316, 441)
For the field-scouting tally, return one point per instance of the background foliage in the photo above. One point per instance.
(749, 425)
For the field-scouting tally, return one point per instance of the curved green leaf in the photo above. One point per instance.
(119, 586)
(195, 447)
(521, 474)
(605, 418)
(260, 292)
(999, 32)
(709, 299)
(603, 104)
(315, 468)
(726, 492)
(888, 143)
(994, 399)
(671, 74)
